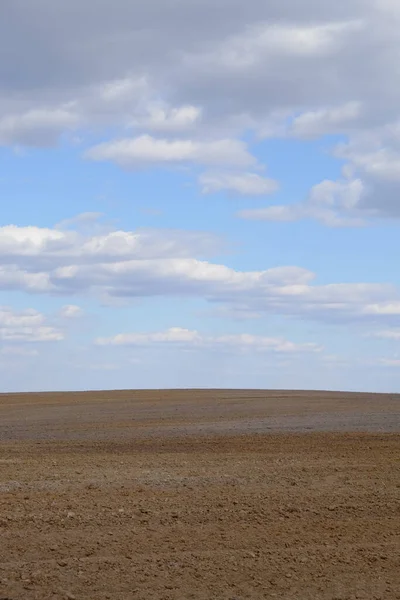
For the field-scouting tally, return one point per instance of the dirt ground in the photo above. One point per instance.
(199, 495)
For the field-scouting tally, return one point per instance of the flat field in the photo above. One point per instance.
(214, 494)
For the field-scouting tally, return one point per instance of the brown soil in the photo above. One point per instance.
(203, 495)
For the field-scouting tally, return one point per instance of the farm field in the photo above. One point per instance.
(213, 494)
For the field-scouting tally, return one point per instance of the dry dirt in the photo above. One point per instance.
(203, 495)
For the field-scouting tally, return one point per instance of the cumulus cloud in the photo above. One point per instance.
(67, 244)
(332, 203)
(145, 150)
(326, 120)
(168, 119)
(37, 127)
(261, 44)
(373, 157)
(71, 311)
(156, 263)
(194, 339)
(276, 46)
(248, 184)
(117, 103)
(382, 308)
(26, 326)
(289, 69)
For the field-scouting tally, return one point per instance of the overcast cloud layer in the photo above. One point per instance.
(225, 102)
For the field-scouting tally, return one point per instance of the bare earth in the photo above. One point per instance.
(199, 494)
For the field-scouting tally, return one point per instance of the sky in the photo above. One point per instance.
(199, 194)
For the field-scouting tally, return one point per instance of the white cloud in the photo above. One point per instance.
(116, 94)
(29, 240)
(26, 326)
(383, 164)
(289, 69)
(168, 119)
(71, 311)
(329, 194)
(324, 121)
(192, 338)
(263, 43)
(30, 122)
(15, 278)
(172, 335)
(155, 263)
(332, 203)
(37, 127)
(63, 245)
(250, 184)
(145, 150)
(206, 57)
(126, 102)
(382, 308)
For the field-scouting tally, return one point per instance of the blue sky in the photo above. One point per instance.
(211, 200)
